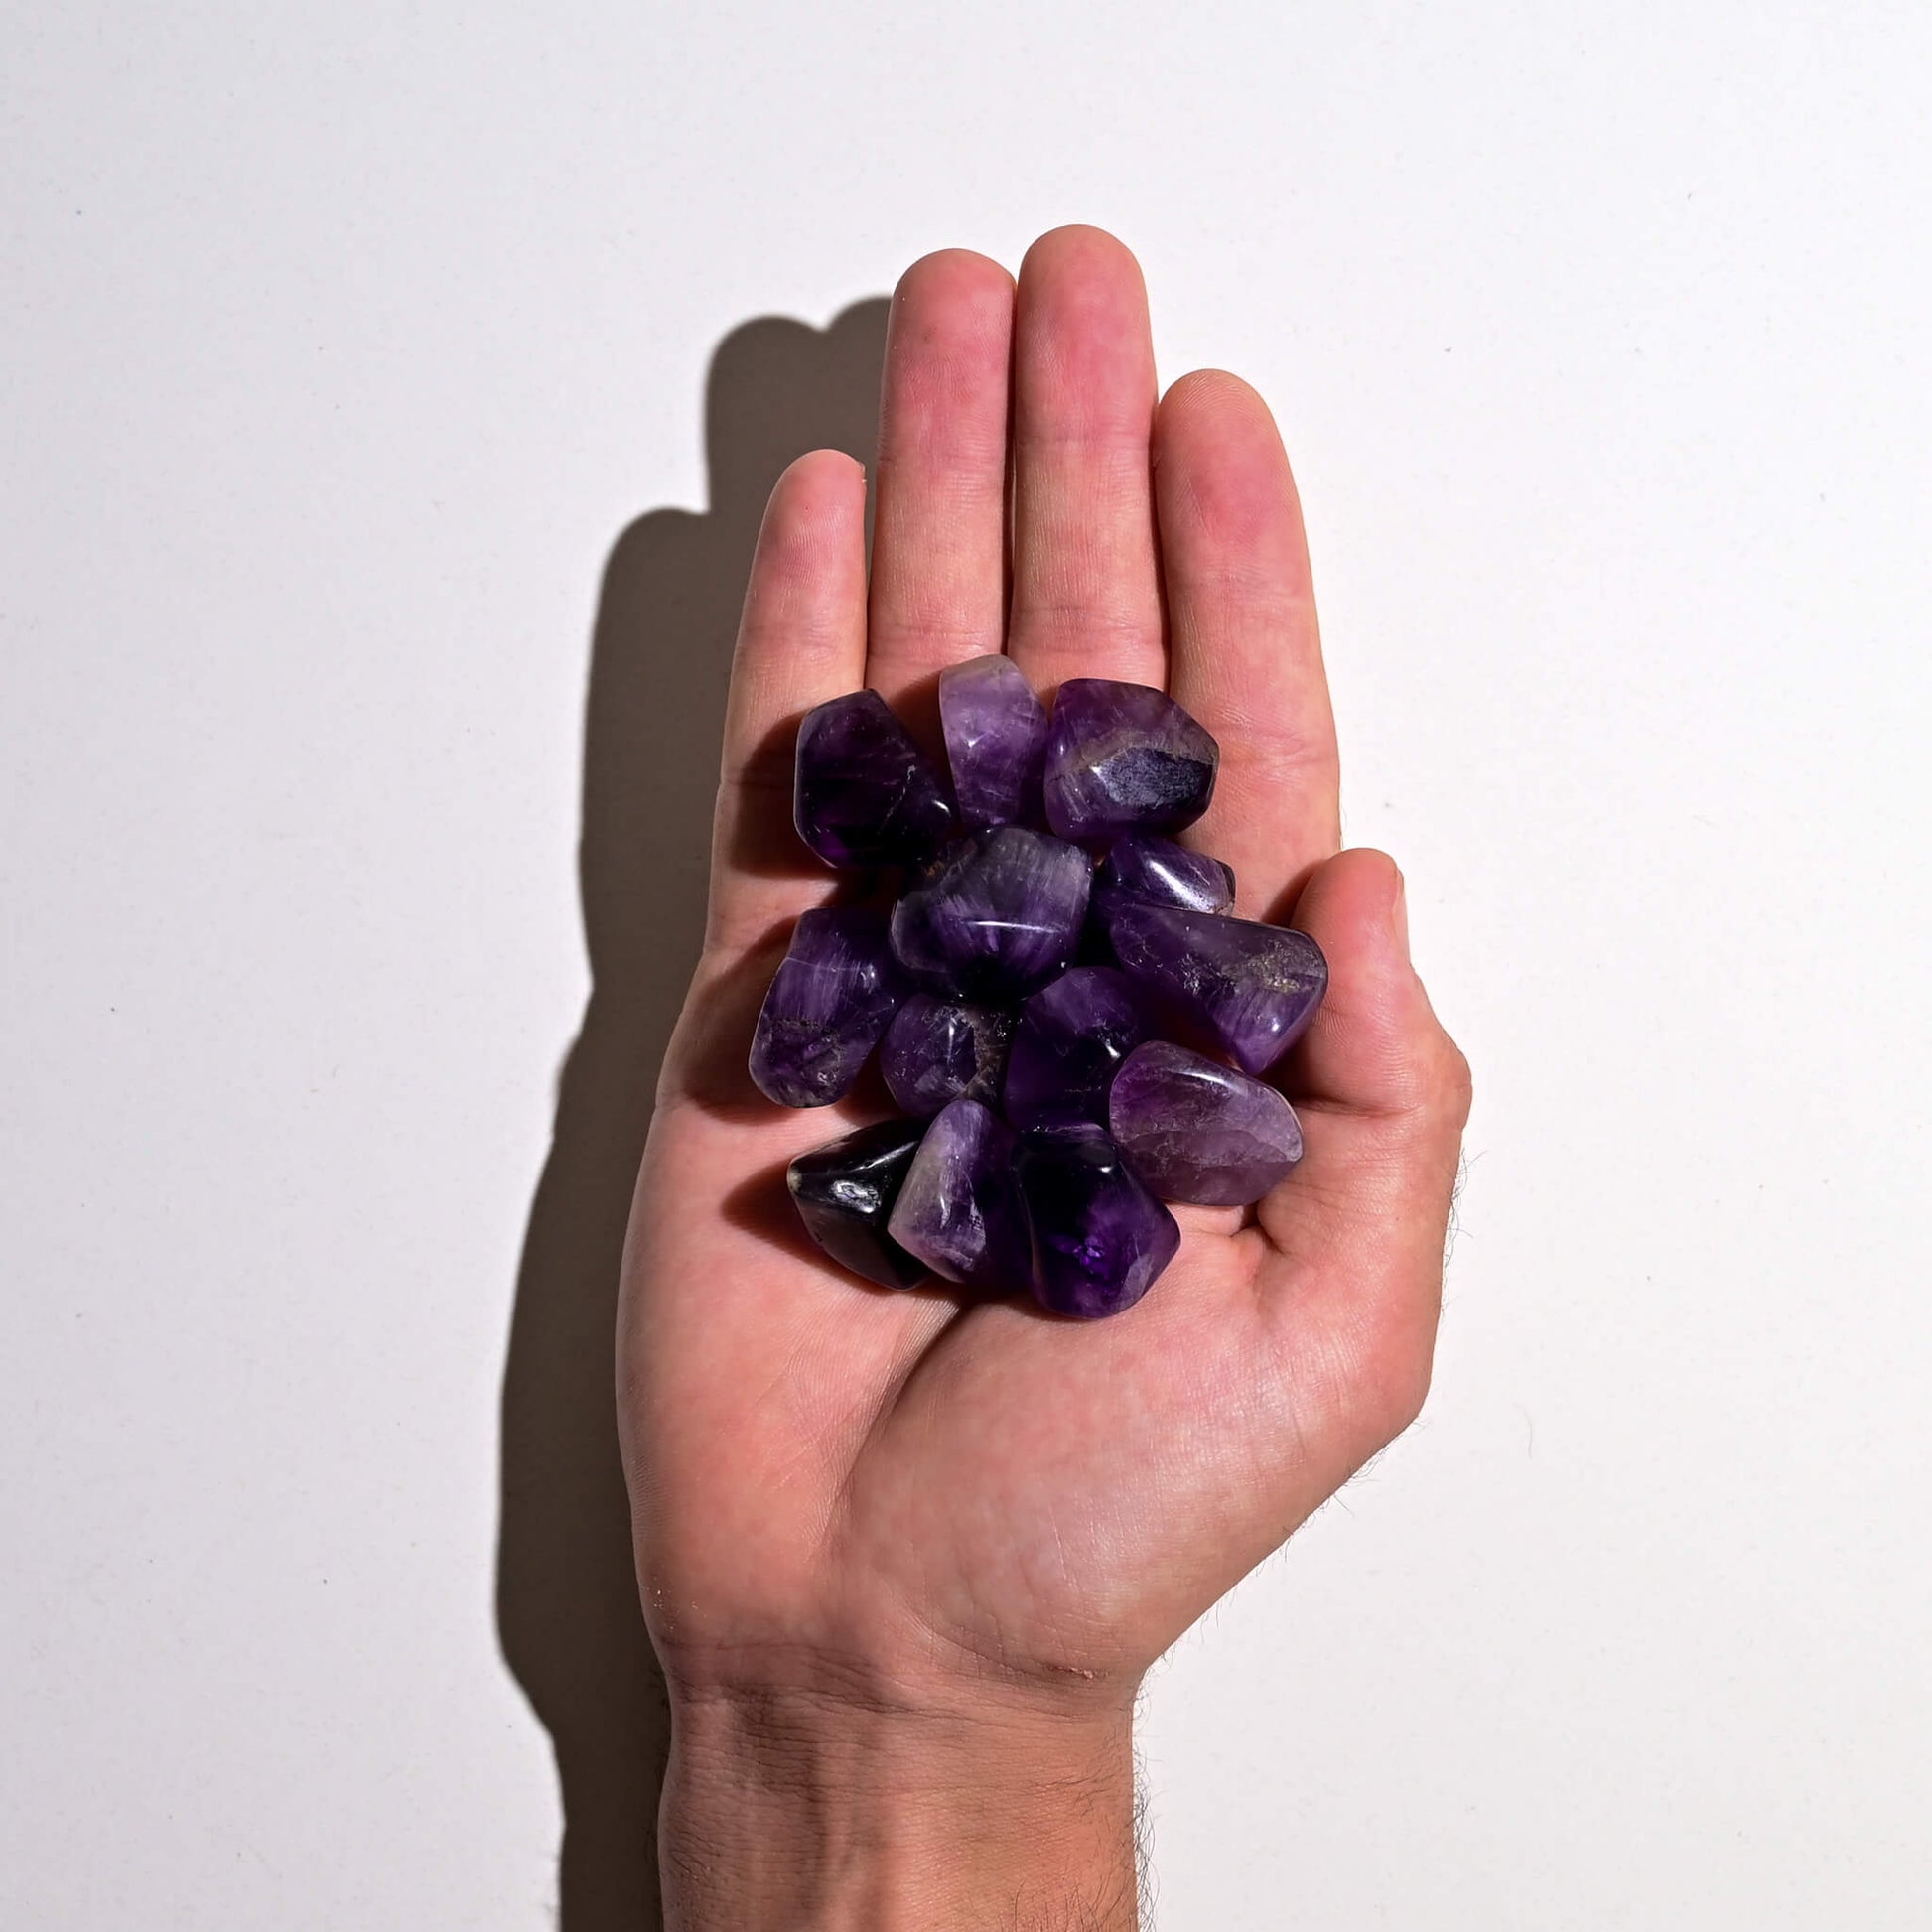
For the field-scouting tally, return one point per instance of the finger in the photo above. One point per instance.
(1376, 1046)
(1086, 597)
(1376, 1055)
(1245, 649)
(1384, 1096)
(801, 640)
(938, 561)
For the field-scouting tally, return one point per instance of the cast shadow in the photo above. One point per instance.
(660, 654)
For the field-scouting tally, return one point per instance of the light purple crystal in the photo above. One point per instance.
(1071, 1039)
(1253, 989)
(996, 742)
(1099, 1238)
(830, 1000)
(1124, 757)
(959, 1209)
(1198, 1131)
(937, 1049)
(995, 916)
(863, 794)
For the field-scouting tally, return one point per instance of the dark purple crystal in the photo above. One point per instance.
(959, 1210)
(936, 1051)
(1071, 1039)
(1252, 988)
(829, 1002)
(1142, 866)
(996, 915)
(1099, 1238)
(844, 1192)
(1124, 757)
(864, 793)
(1198, 1131)
(996, 742)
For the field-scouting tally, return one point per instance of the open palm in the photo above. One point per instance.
(897, 1495)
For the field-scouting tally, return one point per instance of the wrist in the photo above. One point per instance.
(798, 1809)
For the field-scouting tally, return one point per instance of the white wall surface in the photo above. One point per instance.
(342, 346)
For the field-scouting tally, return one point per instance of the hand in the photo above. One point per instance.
(906, 1558)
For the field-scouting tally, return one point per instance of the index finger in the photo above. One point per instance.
(801, 640)
(1246, 650)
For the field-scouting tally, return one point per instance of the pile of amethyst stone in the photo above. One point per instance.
(1056, 1031)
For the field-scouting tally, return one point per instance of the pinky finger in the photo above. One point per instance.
(801, 640)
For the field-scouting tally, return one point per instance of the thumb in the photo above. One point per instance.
(1381, 1088)
(1376, 1046)
(1384, 1095)
(1360, 1221)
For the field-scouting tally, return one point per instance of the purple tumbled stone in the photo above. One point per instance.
(1142, 866)
(995, 916)
(1099, 1238)
(1124, 757)
(1253, 989)
(1070, 1042)
(959, 1209)
(938, 1050)
(1198, 1131)
(863, 794)
(829, 1002)
(996, 742)
(845, 1191)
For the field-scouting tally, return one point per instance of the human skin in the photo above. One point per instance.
(906, 1558)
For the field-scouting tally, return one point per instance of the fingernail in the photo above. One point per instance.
(1398, 911)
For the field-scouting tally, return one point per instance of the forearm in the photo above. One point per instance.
(790, 1812)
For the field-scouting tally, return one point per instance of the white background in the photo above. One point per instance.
(340, 348)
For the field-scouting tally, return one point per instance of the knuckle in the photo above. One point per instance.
(1407, 1391)
(1456, 1083)
(1399, 1366)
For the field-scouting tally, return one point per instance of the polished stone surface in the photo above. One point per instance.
(830, 1000)
(1099, 1238)
(1251, 988)
(1124, 757)
(936, 1051)
(863, 794)
(1198, 1131)
(1144, 866)
(995, 916)
(845, 1192)
(959, 1210)
(996, 742)
(1071, 1038)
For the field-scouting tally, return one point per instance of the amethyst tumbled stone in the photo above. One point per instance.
(995, 916)
(1253, 989)
(936, 1051)
(829, 1002)
(863, 794)
(1142, 866)
(1124, 757)
(1099, 1238)
(844, 1192)
(959, 1210)
(996, 742)
(1071, 1038)
(1198, 1131)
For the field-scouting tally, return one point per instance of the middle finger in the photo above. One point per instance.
(1086, 594)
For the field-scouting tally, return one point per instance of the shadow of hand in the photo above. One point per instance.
(566, 1589)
